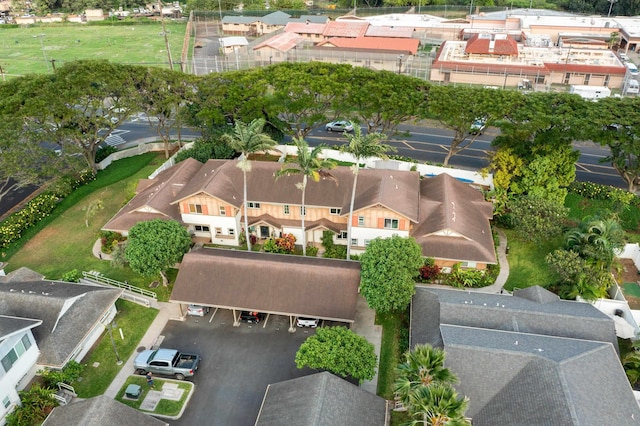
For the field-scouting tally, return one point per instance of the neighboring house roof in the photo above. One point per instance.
(232, 279)
(305, 28)
(534, 311)
(387, 31)
(345, 29)
(321, 399)
(275, 18)
(154, 196)
(492, 44)
(10, 326)
(393, 189)
(314, 19)
(518, 378)
(68, 311)
(283, 42)
(233, 41)
(408, 45)
(454, 221)
(99, 411)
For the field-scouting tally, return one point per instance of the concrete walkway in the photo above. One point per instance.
(504, 268)
(364, 325)
(166, 312)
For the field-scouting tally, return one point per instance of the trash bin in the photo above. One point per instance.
(133, 391)
(506, 250)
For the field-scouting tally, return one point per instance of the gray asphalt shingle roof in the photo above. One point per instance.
(12, 325)
(432, 307)
(68, 311)
(517, 378)
(320, 400)
(99, 411)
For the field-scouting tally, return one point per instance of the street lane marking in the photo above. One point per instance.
(407, 144)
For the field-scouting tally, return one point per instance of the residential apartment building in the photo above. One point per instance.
(448, 218)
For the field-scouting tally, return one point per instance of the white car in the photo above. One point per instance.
(477, 128)
(197, 310)
(339, 126)
(307, 322)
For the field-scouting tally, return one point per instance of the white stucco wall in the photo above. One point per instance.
(19, 375)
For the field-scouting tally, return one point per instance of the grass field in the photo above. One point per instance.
(29, 49)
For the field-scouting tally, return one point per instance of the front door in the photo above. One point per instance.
(264, 232)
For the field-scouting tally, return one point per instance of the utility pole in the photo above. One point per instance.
(2, 73)
(166, 39)
(53, 64)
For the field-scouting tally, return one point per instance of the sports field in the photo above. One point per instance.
(30, 49)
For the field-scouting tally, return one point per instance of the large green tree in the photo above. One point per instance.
(362, 147)
(248, 139)
(389, 268)
(382, 99)
(340, 351)
(304, 94)
(155, 246)
(310, 165)
(457, 108)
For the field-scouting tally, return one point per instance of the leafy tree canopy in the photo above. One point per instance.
(156, 245)
(340, 351)
(389, 268)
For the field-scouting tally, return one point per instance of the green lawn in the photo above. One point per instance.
(580, 207)
(66, 241)
(24, 51)
(392, 347)
(165, 407)
(134, 320)
(527, 266)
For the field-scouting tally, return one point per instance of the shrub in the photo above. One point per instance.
(284, 245)
(104, 151)
(429, 272)
(73, 276)
(13, 227)
(68, 374)
(312, 250)
(595, 191)
(469, 278)
(110, 240)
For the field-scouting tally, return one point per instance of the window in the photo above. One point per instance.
(253, 205)
(195, 208)
(218, 231)
(285, 209)
(9, 359)
(342, 235)
(366, 242)
(391, 223)
(360, 220)
(303, 211)
(587, 77)
(334, 211)
(231, 231)
(567, 77)
(354, 241)
(26, 341)
(6, 402)
(202, 228)
(223, 211)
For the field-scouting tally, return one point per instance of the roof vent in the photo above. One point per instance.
(619, 313)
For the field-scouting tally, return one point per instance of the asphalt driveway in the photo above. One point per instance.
(237, 365)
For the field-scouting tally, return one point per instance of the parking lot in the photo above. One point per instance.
(237, 364)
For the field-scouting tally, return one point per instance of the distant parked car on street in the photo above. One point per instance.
(307, 322)
(339, 126)
(477, 128)
(197, 310)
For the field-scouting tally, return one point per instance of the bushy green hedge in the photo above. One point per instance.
(34, 211)
(595, 191)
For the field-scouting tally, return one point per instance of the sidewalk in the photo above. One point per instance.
(364, 325)
(504, 268)
(166, 312)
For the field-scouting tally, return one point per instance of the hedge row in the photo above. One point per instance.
(596, 191)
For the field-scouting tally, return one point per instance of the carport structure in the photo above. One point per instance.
(294, 286)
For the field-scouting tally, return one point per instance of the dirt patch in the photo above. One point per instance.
(629, 273)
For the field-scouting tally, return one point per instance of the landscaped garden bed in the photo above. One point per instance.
(168, 398)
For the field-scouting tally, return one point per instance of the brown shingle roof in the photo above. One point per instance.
(396, 190)
(281, 284)
(454, 221)
(153, 201)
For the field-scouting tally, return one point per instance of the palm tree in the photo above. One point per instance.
(362, 147)
(437, 405)
(248, 139)
(597, 240)
(423, 367)
(308, 163)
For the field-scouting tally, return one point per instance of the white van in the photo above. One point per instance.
(632, 69)
(633, 87)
